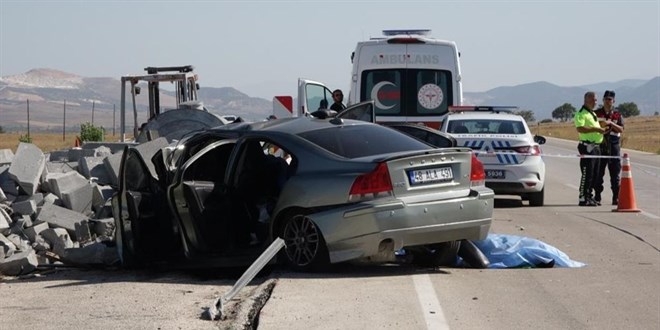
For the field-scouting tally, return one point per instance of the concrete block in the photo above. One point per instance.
(114, 147)
(20, 223)
(20, 263)
(60, 183)
(92, 254)
(83, 232)
(100, 195)
(9, 187)
(35, 230)
(112, 164)
(93, 167)
(27, 167)
(79, 199)
(148, 150)
(60, 217)
(3, 197)
(21, 243)
(40, 244)
(7, 248)
(58, 156)
(105, 211)
(6, 156)
(51, 198)
(5, 221)
(38, 198)
(26, 207)
(102, 152)
(58, 238)
(103, 227)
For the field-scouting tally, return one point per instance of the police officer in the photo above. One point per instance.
(610, 146)
(591, 136)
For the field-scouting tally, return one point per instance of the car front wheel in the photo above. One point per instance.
(305, 248)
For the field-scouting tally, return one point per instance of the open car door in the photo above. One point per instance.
(362, 111)
(312, 96)
(144, 230)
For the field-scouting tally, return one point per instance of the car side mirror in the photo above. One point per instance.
(539, 139)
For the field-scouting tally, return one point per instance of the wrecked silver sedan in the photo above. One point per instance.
(334, 189)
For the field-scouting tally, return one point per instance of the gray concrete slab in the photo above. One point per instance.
(23, 262)
(93, 167)
(102, 227)
(78, 199)
(92, 254)
(115, 147)
(3, 197)
(35, 230)
(58, 156)
(21, 242)
(83, 232)
(5, 221)
(51, 198)
(20, 223)
(26, 207)
(6, 156)
(100, 195)
(148, 150)
(58, 238)
(27, 166)
(60, 183)
(7, 248)
(76, 153)
(112, 164)
(61, 217)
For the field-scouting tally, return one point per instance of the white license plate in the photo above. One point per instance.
(495, 174)
(430, 175)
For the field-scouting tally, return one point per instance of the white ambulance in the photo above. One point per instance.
(410, 76)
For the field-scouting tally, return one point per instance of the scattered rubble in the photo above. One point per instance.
(55, 207)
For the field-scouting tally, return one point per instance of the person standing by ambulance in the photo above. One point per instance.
(611, 146)
(338, 105)
(591, 136)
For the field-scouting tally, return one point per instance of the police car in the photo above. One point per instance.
(510, 153)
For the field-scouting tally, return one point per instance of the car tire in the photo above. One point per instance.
(305, 248)
(434, 255)
(536, 199)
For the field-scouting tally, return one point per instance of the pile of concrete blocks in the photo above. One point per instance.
(55, 208)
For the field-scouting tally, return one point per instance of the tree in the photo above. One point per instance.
(528, 115)
(628, 109)
(564, 112)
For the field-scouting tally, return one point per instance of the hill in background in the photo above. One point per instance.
(97, 99)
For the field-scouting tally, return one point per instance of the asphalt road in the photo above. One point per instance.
(618, 288)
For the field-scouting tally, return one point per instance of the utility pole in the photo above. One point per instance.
(28, 119)
(113, 120)
(64, 123)
(93, 103)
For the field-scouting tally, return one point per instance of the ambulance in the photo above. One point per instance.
(410, 76)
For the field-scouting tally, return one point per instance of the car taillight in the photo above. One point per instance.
(477, 174)
(531, 150)
(370, 185)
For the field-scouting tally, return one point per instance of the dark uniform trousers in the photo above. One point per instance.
(612, 164)
(589, 168)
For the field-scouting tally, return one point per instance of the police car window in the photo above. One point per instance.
(480, 126)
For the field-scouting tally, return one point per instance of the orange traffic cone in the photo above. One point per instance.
(626, 190)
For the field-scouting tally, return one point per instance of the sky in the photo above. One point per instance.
(262, 47)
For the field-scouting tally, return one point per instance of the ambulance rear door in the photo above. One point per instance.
(312, 96)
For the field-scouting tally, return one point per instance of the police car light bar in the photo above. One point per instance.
(495, 109)
(422, 32)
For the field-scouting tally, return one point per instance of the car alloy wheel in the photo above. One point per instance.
(305, 248)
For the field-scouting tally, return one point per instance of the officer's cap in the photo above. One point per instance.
(609, 94)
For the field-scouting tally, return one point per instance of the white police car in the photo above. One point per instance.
(511, 154)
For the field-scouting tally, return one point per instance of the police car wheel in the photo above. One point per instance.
(536, 199)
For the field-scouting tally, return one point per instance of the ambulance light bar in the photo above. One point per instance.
(483, 108)
(422, 32)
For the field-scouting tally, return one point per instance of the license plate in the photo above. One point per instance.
(430, 175)
(495, 174)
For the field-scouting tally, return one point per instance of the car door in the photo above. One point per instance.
(426, 134)
(144, 228)
(199, 179)
(362, 111)
(312, 96)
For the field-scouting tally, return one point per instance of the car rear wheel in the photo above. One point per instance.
(305, 248)
(536, 199)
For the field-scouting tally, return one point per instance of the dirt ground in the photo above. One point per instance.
(120, 299)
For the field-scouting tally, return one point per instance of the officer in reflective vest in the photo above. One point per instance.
(591, 136)
(611, 146)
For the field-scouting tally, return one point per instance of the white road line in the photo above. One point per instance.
(651, 215)
(433, 315)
